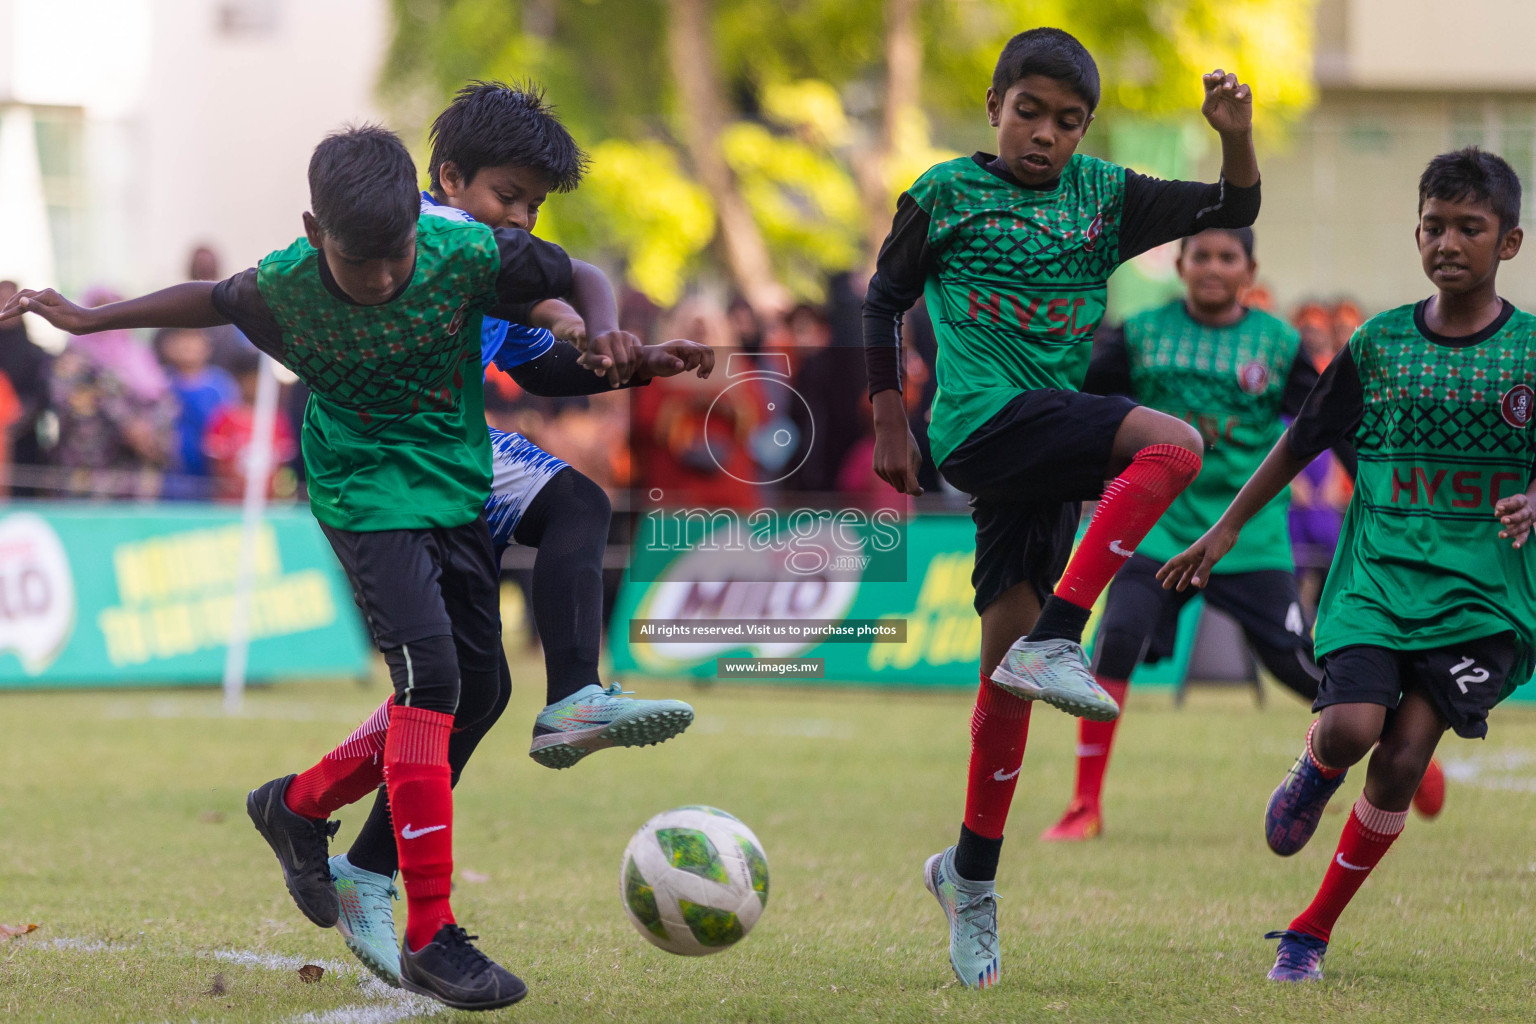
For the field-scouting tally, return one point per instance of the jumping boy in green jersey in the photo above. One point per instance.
(378, 310)
(1427, 620)
(1013, 252)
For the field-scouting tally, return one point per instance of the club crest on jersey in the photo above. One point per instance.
(458, 318)
(1515, 407)
(1095, 230)
(1253, 378)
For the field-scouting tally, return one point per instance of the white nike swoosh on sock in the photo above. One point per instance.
(410, 833)
(1339, 859)
(1000, 777)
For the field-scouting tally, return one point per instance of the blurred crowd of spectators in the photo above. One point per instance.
(114, 415)
(783, 419)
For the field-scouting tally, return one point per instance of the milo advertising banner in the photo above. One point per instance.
(911, 628)
(94, 595)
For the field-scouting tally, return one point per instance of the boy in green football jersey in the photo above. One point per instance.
(497, 153)
(1013, 252)
(1428, 619)
(378, 310)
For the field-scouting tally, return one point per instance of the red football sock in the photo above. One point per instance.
(999, 727)
(346, 774)
(421, 806)
(1094, 740)
(1131, 504)
(1368, 835)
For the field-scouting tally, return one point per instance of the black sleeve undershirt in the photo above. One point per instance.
(1332, 412)
(1109, 368)
(1303, 378)
(239, 300)
(532, 270)
(557, 374)
(900, 272)
(1158, 211)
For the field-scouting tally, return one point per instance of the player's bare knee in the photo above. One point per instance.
(1146, 428)
(1184, 436)
(1399, 763)
(1342, 739)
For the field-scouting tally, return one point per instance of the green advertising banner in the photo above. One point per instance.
(114, 595)
(939, 647)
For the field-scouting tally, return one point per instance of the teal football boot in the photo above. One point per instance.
(971, 908)
(1055, 671)
(593, 718)
(367, 921)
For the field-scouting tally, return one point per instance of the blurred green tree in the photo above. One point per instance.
(767, 141)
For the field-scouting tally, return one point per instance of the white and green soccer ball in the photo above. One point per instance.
(694, 880)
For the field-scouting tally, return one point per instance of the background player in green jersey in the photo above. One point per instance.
(1231, 372)
(1428, 618)
(378, 310)
(1013, 252)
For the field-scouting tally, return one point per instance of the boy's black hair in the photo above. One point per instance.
(1052, 53)
(362, 190)
(1244, 238)
(492, 124)
(1474, 175)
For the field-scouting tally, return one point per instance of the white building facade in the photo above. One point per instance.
(132, 131)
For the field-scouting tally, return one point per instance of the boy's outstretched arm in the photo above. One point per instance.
(1330, 415)
(533, 270)
(559, 373)
(593, 299)
(181, 305)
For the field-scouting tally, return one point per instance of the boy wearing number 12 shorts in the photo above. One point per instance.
(1428, 618)
(1013, 252)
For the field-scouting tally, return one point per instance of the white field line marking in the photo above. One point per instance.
(404, 1007)
(393, 1004)
(272, 962)
(72, 944)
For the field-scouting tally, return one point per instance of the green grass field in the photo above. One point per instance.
(125, 839)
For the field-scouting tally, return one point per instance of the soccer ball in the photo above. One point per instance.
(694, 880)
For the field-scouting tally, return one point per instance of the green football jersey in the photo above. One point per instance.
(1018, 284)
(1444, 433)
(394, 432)
(1229, 383)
